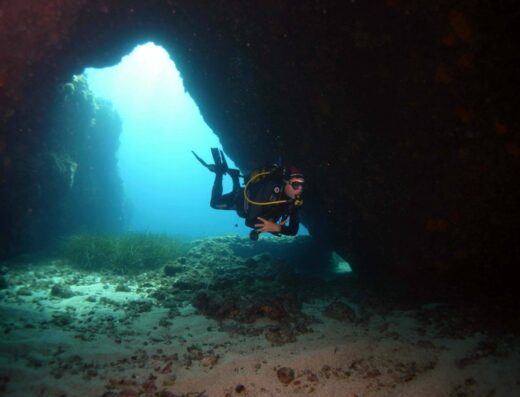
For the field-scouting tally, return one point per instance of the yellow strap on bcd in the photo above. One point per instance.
(253, 178)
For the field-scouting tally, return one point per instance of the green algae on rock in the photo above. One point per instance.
(129, 253)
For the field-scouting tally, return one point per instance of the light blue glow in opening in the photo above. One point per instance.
(339, 265)
(168, 190)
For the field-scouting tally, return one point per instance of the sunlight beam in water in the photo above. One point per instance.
(169, 191)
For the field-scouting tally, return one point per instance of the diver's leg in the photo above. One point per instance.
(235, 175)
(221, 201)
(216, 192)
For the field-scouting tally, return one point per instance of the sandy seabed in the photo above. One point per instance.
(109, 338)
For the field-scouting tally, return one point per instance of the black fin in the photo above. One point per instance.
(200, 160)
(216, 156)
(223, 161)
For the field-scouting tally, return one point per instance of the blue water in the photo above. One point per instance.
(167, 188)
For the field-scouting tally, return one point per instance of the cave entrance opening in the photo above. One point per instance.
(339, 264)
(167, 188)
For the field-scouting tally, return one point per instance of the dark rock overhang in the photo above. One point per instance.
(402, 114)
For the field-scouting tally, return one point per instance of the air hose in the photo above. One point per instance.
(296, 201)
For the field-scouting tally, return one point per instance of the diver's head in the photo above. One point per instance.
(294, 182)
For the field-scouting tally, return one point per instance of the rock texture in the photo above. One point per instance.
(402, 113)
(148, 340)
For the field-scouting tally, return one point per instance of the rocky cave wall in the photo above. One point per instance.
(69, 182)
(402, 113)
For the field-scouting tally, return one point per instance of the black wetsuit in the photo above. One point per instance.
(265, 190)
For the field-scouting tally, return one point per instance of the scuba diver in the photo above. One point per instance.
(269, 201)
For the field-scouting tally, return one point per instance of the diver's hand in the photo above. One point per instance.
(269, 226)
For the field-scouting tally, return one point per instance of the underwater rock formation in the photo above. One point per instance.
(144, 338)
(402, 114)
(62, 172)
(61, 291)
(224, 285)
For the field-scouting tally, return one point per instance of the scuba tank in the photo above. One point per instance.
(256, 176)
